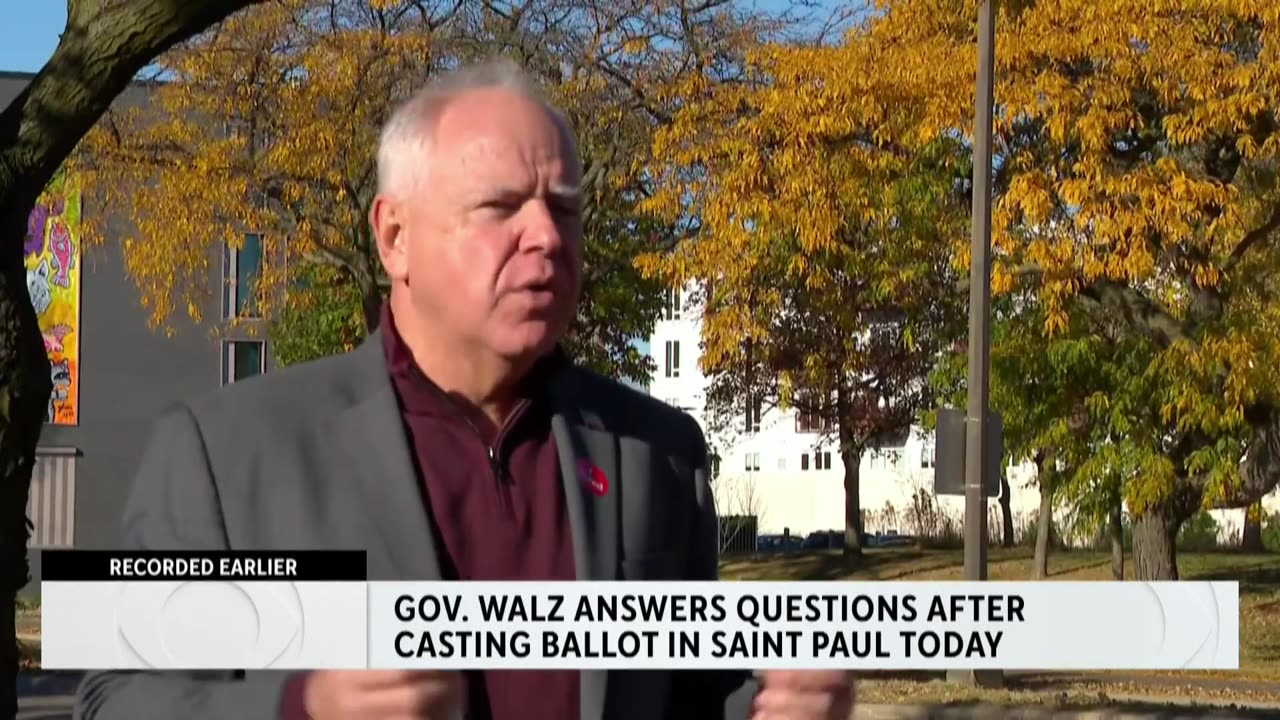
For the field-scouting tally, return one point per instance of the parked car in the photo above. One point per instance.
(887, 538)
(778, 543)
(824, 540)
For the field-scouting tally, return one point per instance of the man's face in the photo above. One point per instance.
(492, 238)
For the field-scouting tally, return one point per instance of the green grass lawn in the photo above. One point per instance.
(28, 624)
(1259, 577)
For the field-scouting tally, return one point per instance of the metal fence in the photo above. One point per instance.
(51, 505)
(738, 534)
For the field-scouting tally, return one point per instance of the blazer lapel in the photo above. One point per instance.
(384, 482)
(587, 453)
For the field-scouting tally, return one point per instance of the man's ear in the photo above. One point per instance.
(386, 223)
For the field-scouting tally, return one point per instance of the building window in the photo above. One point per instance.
(782, 462)
(753, 462)
(927, 457)
(813, 423)
(242, 359)
(51, 505)
(673, 358)
(241, 268)
(822, 460)
(887, 459)
(815, 413)
(671, 311)
(804, 461)
(752, 424)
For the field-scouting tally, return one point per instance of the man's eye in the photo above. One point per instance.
(501, 206)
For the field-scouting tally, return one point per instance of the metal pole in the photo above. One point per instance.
(976, 421)
(976, 462)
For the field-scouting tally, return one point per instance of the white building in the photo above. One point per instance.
(791, 477)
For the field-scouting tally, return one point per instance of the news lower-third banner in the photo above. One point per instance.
(317, 610)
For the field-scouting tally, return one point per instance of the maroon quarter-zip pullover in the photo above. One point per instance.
(498, 511)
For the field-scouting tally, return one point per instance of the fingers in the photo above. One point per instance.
(778, 703)
(797, 695)
(807, 679)
(416, 698)
(384, 695)
(392, 678)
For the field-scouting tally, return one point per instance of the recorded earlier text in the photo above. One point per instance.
(275, 567)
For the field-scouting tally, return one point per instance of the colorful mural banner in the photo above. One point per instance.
(52, 255)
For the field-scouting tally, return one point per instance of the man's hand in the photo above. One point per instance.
(796, 695)
(375, 694)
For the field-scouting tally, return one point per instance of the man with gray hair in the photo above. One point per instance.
(458, 443)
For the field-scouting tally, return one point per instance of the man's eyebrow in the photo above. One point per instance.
(566, 192)
(506, 193)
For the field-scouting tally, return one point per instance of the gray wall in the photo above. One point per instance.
(129, 374)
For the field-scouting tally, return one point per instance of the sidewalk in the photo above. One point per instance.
(1046, 680)
(993, 712)
(59, 708)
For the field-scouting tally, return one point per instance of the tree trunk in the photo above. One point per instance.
(851, 449)
(852, 502)
(104, 45)
(1116, 529)
(1251, 539)
(371, 301)
(1006, 510)
(9, 656)
(1155, 534)
(1044, 530)
(24, 396)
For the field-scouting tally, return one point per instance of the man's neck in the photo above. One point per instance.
(488, 385)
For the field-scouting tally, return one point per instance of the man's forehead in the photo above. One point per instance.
(503, 114)
(511, 161)
(498, 149)
(511, 164)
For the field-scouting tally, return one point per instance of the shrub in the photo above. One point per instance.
(1199, 534)
(930, 523)
(1271, 531)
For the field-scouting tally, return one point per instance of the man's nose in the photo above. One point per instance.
(542, 232)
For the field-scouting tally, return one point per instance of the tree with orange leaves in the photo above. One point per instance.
(1137, 198)
(822, 243)
(269, 126)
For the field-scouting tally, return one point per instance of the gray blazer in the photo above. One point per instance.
(315, 456)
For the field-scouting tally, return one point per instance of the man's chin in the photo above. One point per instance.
(530, 340)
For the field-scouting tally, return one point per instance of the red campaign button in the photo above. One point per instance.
(593, 478)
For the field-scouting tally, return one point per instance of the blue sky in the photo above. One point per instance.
(30, 32)
(31, 28)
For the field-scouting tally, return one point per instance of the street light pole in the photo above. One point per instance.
(976, 423)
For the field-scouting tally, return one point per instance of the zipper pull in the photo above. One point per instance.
(494, 465)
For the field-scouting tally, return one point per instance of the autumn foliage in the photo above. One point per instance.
(1135, 217)
(269, 124)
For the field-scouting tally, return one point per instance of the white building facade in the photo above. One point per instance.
(790, 476)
